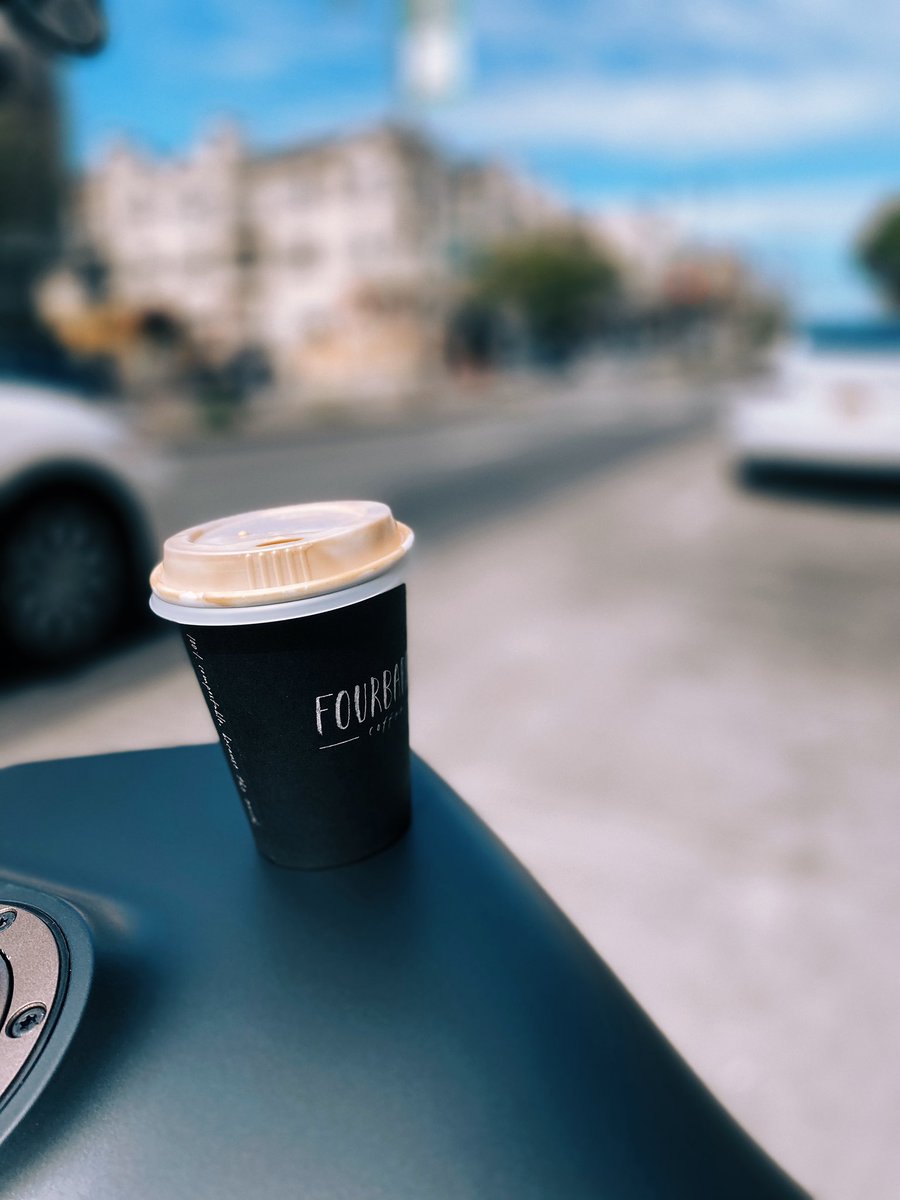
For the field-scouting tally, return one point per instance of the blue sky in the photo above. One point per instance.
(768, 124)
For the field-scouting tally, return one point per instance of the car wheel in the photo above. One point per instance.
(748, 474)
(64, 577)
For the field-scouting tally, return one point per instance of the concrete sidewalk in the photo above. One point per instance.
(678, 704)
(621, 388)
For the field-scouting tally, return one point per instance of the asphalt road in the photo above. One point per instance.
(676, 701)
(446, 476)
(441, 473)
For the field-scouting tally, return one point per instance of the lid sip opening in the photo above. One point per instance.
(280, 554)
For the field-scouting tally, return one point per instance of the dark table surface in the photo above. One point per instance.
(424, 1024)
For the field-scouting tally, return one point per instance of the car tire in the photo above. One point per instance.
(65, 577)
(748, 474)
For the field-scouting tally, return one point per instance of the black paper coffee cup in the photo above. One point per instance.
(309, 694)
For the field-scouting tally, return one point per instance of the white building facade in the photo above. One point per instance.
(324, 256)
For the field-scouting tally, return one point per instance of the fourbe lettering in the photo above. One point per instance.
(366, 708)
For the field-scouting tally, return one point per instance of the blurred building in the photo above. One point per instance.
(335, 259)
(164, 235)
(490, 204)
(645, 243)
(683, 292)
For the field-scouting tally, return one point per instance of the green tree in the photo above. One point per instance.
(558, 283)
(878, 250)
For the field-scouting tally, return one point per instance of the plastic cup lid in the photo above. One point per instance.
(277, 554)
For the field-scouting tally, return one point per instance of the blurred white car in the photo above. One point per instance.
(76, 537)
(831, 400)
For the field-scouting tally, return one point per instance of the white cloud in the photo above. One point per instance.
(832, 212)
(798, 237)
(775, 32)
(292, 122)
(680, 120)
(267, 39)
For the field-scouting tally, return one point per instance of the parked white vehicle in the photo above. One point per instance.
(830, 400)
(76, 538)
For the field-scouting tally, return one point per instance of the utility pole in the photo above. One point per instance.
(431, 50)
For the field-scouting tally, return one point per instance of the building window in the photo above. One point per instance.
(303, 255)
(139, 207)
(197, 204)
(369, 248)
(299, 193)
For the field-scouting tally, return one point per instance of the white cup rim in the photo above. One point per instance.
(285, 610)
